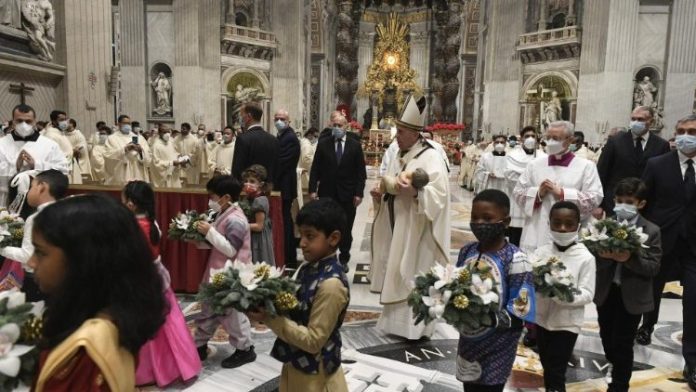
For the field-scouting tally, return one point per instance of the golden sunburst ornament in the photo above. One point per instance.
(464, 275)
(461, 301)
(263, 271)
(621, 234)
(218, 279)
(285, 301)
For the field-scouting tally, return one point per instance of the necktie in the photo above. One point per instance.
(690, 179)
(339, 151)
(639, 148)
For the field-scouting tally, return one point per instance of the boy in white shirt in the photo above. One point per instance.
(46, 187)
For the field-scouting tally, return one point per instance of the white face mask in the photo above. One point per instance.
(102, 139)
(499, 147)
(23, 129)
(554, 147)
(165, 137)
(564, 239)
(530, 143)
(201, 133)
(215, 206)
(625, 212)
(63, 125)
(126, 129)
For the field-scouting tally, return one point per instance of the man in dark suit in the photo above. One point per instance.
(625, 154)
(338, 172)
(623, 290)
(671, 182)
(286, 180)
(254, 145)
(326, 132)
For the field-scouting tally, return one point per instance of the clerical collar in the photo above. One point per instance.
(564, 160)
(528, 152)
(499, 154)
(31, 138)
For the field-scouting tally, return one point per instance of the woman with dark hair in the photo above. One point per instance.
(104, 294)
(171, 355)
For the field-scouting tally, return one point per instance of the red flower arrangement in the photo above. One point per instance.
(445, 127)
(355, 126)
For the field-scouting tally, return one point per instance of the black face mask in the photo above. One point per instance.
(488, 232)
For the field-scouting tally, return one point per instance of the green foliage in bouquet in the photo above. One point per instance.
(613, 236)
(183, 226)
(19, 330)
(11, 229)
(552, 279)
(464, 297)
(247, 287)
(245, 205)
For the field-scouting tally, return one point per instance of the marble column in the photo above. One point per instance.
(543, 11)
(680, 79)
(366, 39)
(134, 85)
(570, 19)
(255, 22)
(87, 59)
(230, 15)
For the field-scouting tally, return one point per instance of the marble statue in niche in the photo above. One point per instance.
(644, 93)
(11, 13)
(163, 94)
(39, 24)
(552, 109)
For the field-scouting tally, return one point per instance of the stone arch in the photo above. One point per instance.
(537, 92)
(231, 72)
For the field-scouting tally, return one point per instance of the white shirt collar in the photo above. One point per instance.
(683, 158)
(44, 205)
(645, 137)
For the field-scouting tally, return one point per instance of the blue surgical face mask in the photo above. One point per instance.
(126, 129)
(338, 133)
(280, 125)
(638, 128)
(63, 125)
(686, 144)
(512, 143)
(573, 147)
(625, 212)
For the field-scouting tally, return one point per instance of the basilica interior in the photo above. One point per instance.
(483, 67)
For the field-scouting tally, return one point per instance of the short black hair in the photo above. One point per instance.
(23, 108)
(323, 214)
(100, 124)
(312, 131)
(54, 114)
(123, 117)
(185, 126)
(57, 182)
(579, 136)
(501, 136)
(565, 205)
(632, 187)
(231, 128)
(135, 124)
(496, 197)
(527, 129)
(72, 122)
(513, 137)
(254, 110)
(224, 185)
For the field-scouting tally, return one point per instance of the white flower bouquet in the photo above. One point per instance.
(11, 229)
(247, 287)
(20, 329)
(183, 226)
(465, 297)
(609, 235)
(552, 279)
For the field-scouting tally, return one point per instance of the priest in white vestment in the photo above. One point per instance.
(490, 171)
(546, 180)
(189, 146)
(411, 231)
(127, 155)
(26, 149)
(165, 171)
(55, 131)
(221, 164)
(80, 157)
(97, 156)
(517, 161)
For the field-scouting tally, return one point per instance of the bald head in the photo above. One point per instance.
(282, 114)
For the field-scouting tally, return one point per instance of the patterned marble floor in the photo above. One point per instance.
(374, 361)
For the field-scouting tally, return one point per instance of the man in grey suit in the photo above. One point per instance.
(624, 287)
